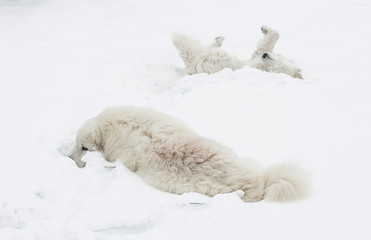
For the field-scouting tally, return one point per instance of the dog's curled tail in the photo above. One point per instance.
(285, 182)
(189, 48)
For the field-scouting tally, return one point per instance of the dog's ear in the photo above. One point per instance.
(97, 137)
(99, 143)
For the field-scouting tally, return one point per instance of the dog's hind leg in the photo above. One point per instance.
(268, 42)
(189, 50)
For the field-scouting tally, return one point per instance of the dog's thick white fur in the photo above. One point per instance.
(171, 157)
(199, 58)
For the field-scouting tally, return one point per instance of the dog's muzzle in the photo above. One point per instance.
(76, 156)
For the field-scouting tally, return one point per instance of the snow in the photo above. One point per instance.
(64, 61)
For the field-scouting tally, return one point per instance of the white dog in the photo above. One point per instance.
(199, 58)
(170, 156)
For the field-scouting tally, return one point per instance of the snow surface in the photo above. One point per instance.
(64, 61)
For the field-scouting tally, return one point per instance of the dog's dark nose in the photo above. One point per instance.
(265, 56)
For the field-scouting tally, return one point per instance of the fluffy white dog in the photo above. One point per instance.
(199, 58)
(170, 156)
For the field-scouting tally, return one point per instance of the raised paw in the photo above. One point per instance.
(264, 29)
(218, 41)
(270, 31)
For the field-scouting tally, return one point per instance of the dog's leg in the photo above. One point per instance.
(268, 42)
(218, 41)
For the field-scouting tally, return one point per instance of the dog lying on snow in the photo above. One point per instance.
(171, 157)
(199, 58)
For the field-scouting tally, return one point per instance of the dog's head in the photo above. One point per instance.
(88, 138)
(279, 64)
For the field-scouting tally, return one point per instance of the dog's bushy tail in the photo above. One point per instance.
(285, 182)
(189, 48)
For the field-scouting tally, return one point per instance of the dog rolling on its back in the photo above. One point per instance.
(204, 59)
(171, 157)
(200, 58)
